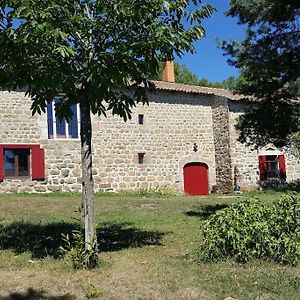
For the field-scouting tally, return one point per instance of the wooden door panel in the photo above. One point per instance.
(195, 179)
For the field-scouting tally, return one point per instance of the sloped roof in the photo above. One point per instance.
(202, 90)
(194, 89)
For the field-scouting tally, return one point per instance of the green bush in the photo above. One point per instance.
(285, 229)
(253, 229)
(92, 292)
(165, 191)
(158, 192)
(82, 255)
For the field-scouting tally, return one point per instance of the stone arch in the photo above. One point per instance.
(269, 150)
(195, 158)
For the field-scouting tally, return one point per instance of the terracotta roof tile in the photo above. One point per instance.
(194, 89)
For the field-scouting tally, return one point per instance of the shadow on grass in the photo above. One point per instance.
(205, 211)
(32, 294)
(121, 236)
(43, 240)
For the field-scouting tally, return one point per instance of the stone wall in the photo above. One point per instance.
(220, 116)
(173, 123)
(292, 166)
(246, 158)
(16, 123)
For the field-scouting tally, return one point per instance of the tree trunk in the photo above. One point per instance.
(87, 176)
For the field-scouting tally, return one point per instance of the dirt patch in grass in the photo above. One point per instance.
(127, 280)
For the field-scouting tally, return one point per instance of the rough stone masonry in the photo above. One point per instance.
(178, 118)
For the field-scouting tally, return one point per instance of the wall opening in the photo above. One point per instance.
(16, 163)
(272, 167)
(195, 177)
(141, 119)
(141, 158)
(22, 160)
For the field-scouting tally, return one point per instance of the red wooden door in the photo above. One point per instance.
(195, 176)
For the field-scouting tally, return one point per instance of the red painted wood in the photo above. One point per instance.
(195, 179)
(37, 159)
(17, 146)
(37, 163)
(281, 163)
(262, 167)
(1, 164)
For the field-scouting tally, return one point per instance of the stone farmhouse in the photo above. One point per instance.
(185, 139)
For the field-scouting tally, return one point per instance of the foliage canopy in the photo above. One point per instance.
(92, 47)
(268, 60)
(90, 52)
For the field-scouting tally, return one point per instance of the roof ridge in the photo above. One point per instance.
(196, 89)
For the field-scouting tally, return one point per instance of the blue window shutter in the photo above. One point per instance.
(73, 128)
(50, 120)
(60, 126)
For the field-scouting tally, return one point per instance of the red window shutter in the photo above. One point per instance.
(262, 167)
(1, 164)
(281, 163)
(37, 162)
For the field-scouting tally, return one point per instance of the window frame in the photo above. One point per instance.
(272, 160)
(37, 161)
(263, 166)
(17, 163)
(55, 121)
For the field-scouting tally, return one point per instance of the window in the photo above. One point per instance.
(272, 166)
(63, 129)
(17, 162)
(141, 158)
(22, 161)
(141, 119)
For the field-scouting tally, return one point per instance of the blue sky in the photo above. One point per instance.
(209, 61)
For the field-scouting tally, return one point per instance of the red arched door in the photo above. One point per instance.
(195, 176)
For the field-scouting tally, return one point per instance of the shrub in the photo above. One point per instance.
(285, 229)
(253, 229)
(290, 186)
(280, 185)
(92, 292)
(273, 183)
(75, 250)
(158, 192)
(164, 191)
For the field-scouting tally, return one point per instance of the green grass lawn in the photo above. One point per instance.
(148, 248)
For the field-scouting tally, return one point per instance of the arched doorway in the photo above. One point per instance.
(195, 177)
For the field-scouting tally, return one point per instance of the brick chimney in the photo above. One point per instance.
(168, 71)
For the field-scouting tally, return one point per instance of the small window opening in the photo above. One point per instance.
(272, 168)
(17, 162)
(141, 158)
(141, 119)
